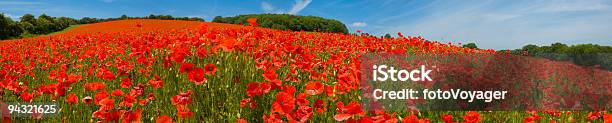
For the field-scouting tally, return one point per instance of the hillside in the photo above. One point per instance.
(288, 22)
(188, 71)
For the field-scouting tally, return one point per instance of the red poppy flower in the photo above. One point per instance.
(301, 99)
(265, 87)
(126, 83)
(106, 74)
(252, 22)
(320, 106)
(156, 82)
(288, 89)
(201, 52)
(197, 76)
(414, 119)
(253, 89)
(143, 102)
(314, 88)
(99, 96)
(151, 96)
(177, 57)
(117, 93)
(352, 108)
(183, 98)
(342, 117)
(472, 117)
(26, 97)
(272, 118)
(330, 91)
(531, 119)
(106, 103)
(183, 111)
(410, 119)
(164, 119)
(241, 121)
(186, 67)
(276, 84)
(60, 90)
(227, 45)
(447, 118)
(110, 116)
(137, 90)
(251, 102)
(303, 114)
(128, 101)
(72, 99)
(94, 86)
(132, 116)
(592, 116)
(284, 103)
(202, 28)
(270, 75)
(100, 113)
(210, 69)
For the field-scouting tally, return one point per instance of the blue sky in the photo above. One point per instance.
(495, 24)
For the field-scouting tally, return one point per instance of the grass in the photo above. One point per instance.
(28, 35)
(64, 30)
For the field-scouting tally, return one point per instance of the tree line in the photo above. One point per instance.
(580, 54)
(28, 25)
(288, 22)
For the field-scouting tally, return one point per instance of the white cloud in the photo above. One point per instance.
(513, 25)
(296, 8)
(268, 8)
(359, 24)
(499, 17)
(572, 6)
(13, 17)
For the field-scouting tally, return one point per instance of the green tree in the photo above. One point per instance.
(470, 45)
(558, 47)
(289, 22)
(28, 18)
(27, 27)
(46, 17)
(387, 35)
(8, 28)
(530, 48)
(123, 17)
(87, 20)
(581, 54)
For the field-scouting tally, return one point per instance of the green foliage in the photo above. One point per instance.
(581, 54)
(29, 18)
(288, 22)
(470, 45)
(8, 28)
(388, 35)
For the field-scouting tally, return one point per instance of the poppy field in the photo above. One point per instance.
(168, 71)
